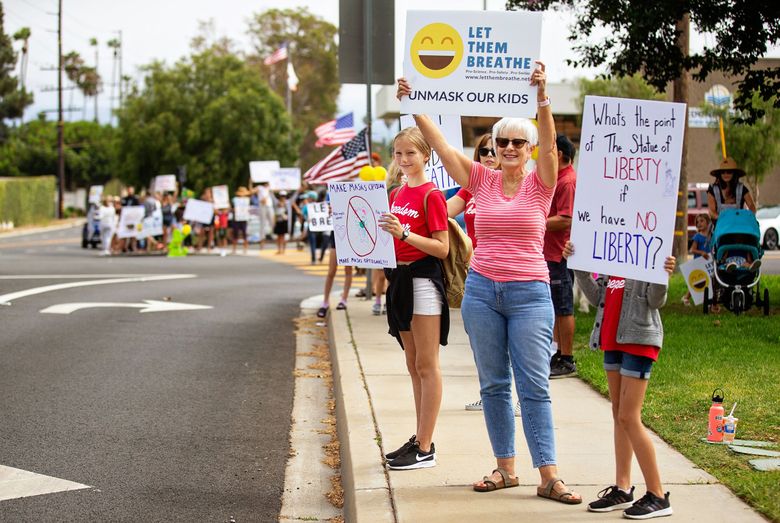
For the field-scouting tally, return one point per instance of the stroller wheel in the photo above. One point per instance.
(738, 303)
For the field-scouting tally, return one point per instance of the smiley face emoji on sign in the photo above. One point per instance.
(436, 50)
(698, 280)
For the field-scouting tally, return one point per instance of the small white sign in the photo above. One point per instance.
(262, 171)
(95, 193)
(357, 207)
(152, 226)
(628, 177)
(221, 196)
(698, 274)
(450, 127)
(475, 63)
(199, 211)
(130, 221)
(241, 209)
(319, 217)
(165, 183)
(286, 179)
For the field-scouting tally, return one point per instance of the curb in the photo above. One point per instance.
(367, 492)
(49, 228)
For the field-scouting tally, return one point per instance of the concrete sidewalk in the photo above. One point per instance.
(375, 413)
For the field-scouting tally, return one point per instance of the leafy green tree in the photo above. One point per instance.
(208, 112)
(756, 146)
(89, 152)
(633, 86)
(13, 100)
(645, 38)
(312, 48)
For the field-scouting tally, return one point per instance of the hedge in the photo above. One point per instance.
(27, 200)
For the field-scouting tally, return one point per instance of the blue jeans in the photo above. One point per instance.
(511, 323)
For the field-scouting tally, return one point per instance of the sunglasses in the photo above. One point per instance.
(484, 151)
(516, 142)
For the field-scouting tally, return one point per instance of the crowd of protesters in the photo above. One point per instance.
(279, 217)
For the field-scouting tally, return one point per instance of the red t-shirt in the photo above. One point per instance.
(562, 205)
(613, 301)
(469, 213)
(408, 205)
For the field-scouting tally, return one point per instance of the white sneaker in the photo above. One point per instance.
(477, 405)
(376, 309)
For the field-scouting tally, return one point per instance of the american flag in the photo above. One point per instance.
(336, 132)
(343, 163)
(277, 56)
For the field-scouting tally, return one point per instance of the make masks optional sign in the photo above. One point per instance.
(471, 62)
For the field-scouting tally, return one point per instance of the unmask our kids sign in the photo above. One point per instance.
(357, 207)
(627, 182)
(449, 125)
(471, 62)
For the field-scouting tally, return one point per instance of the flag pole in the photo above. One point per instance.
(367, 52)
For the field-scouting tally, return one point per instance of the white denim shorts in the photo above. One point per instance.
(427, 300)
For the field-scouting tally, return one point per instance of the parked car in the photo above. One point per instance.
(697, 204)
(769, 224)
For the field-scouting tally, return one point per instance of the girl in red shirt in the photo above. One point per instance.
(417, 310)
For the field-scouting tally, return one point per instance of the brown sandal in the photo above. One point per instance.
(490, 485)
(548, 492)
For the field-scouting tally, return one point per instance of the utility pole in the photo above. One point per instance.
(60, 124)
(121, 52)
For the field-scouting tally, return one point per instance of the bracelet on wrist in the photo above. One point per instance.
(544, 103)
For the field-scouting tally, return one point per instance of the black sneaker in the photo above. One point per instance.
(612, 498)
(563, 369)
(414, 458)
(649, 506)
(402, 450)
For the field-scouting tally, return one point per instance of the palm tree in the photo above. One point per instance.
(94, 43)
(23, 34)
(114, 44)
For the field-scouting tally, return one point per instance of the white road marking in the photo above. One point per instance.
(69, 276)
(7, 298)
(17, 483)
(147, 306)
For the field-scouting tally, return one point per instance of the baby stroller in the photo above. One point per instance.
(90, 233)
(736, 249)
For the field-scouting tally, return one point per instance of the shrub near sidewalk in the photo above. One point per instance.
(740, 354)
(27, 200)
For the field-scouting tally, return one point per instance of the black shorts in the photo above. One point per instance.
(281, 228)
(238, 227)
(332, 240)
(561, 281)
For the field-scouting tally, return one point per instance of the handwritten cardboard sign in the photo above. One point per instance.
(627, 183)
(130, 221)
(471, 62)
(241, 211)
(450, 127)
(95, 194)
(199, 211)
(165, 183)
(357, 207)
(319, 217)
(221, 196)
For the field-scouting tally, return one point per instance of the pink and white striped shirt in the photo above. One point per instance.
(510, 230)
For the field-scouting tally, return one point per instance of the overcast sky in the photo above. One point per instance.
(162, 29)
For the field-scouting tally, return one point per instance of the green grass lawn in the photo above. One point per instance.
(740, 354)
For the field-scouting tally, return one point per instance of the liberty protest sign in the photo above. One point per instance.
(471, 62)
(450, 127)
(627, 182)
(357, 207)
(130, 221)
(319, 217)
(261, 172)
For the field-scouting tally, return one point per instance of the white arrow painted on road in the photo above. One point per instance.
(147, 306)
(17, 483)
(6, 299)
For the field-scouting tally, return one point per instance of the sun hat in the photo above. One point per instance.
(728, 165)
(242, 191)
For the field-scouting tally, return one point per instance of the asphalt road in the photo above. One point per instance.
(167, 416)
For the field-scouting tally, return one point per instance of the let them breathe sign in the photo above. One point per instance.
(627, 183)
(471, 62)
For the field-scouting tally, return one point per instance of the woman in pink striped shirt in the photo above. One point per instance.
(507, 309)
